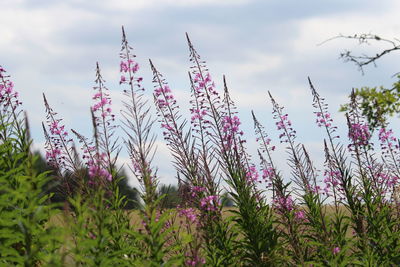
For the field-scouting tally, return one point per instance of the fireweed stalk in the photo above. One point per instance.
(253, 217)
(201, 136)
(207, 114)
(60, 150)
(390, 156)
(137, 125)
(283, 203)
(100, 194)
(184, 152)
(339, 176)
(10, 111)
(98, 154)
(380, 232)
(341, 179)
(179, 142)
(109, 233)
(61, 155)
(260, 238)
(215, 229)
(360, 147)
(104, 128)
(305, 179)
(9, 108)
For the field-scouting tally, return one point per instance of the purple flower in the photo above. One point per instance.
(335, 250)
(324, 118)
(102, 107)
(189, 213)
(359, 134)
(8, 96)
(284, 203)
(230, 130)
(58, 146)
(209, 203)
(252, 174)
(300, 215)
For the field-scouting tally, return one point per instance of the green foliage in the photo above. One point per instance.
(98, 227)
(27, 236)
(378, 104)
(254, 220)
(154, 237)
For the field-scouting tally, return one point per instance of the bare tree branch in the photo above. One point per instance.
(365, 38)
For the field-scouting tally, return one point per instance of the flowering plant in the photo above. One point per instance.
(348, 214)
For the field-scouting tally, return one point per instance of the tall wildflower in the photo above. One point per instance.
(218, 123)
(391, 159)
(361, 147)
(179, 142)
(305, 177)
(137, 122)
(98, 153)
(10, 108)
(137, 125)
(184, 152)
(202, 136)
(60, 149)
(224, 133)
(103, 120)
(375, 183)
(283, 202)
(338, 176)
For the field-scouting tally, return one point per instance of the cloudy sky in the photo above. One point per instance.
(52, 46)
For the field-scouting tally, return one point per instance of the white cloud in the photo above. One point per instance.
(145, 4)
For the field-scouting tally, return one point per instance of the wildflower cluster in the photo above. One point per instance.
(166, 105)
(59, 146)
(307, 221)
(127, 67)
(102, 106)
(189, 213)
(252, 174)
(284, 204)
(209, 203)
(324, 118)
(8, 96)
(97, 169)
(283, 124)
(359, 134)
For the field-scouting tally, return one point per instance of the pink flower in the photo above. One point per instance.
(284, 203)
(252, 174)
(335, 250)
(230, 128)
(359, 134)
(189, 213)
(196, 190)
(209, 203)
(300, 215)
